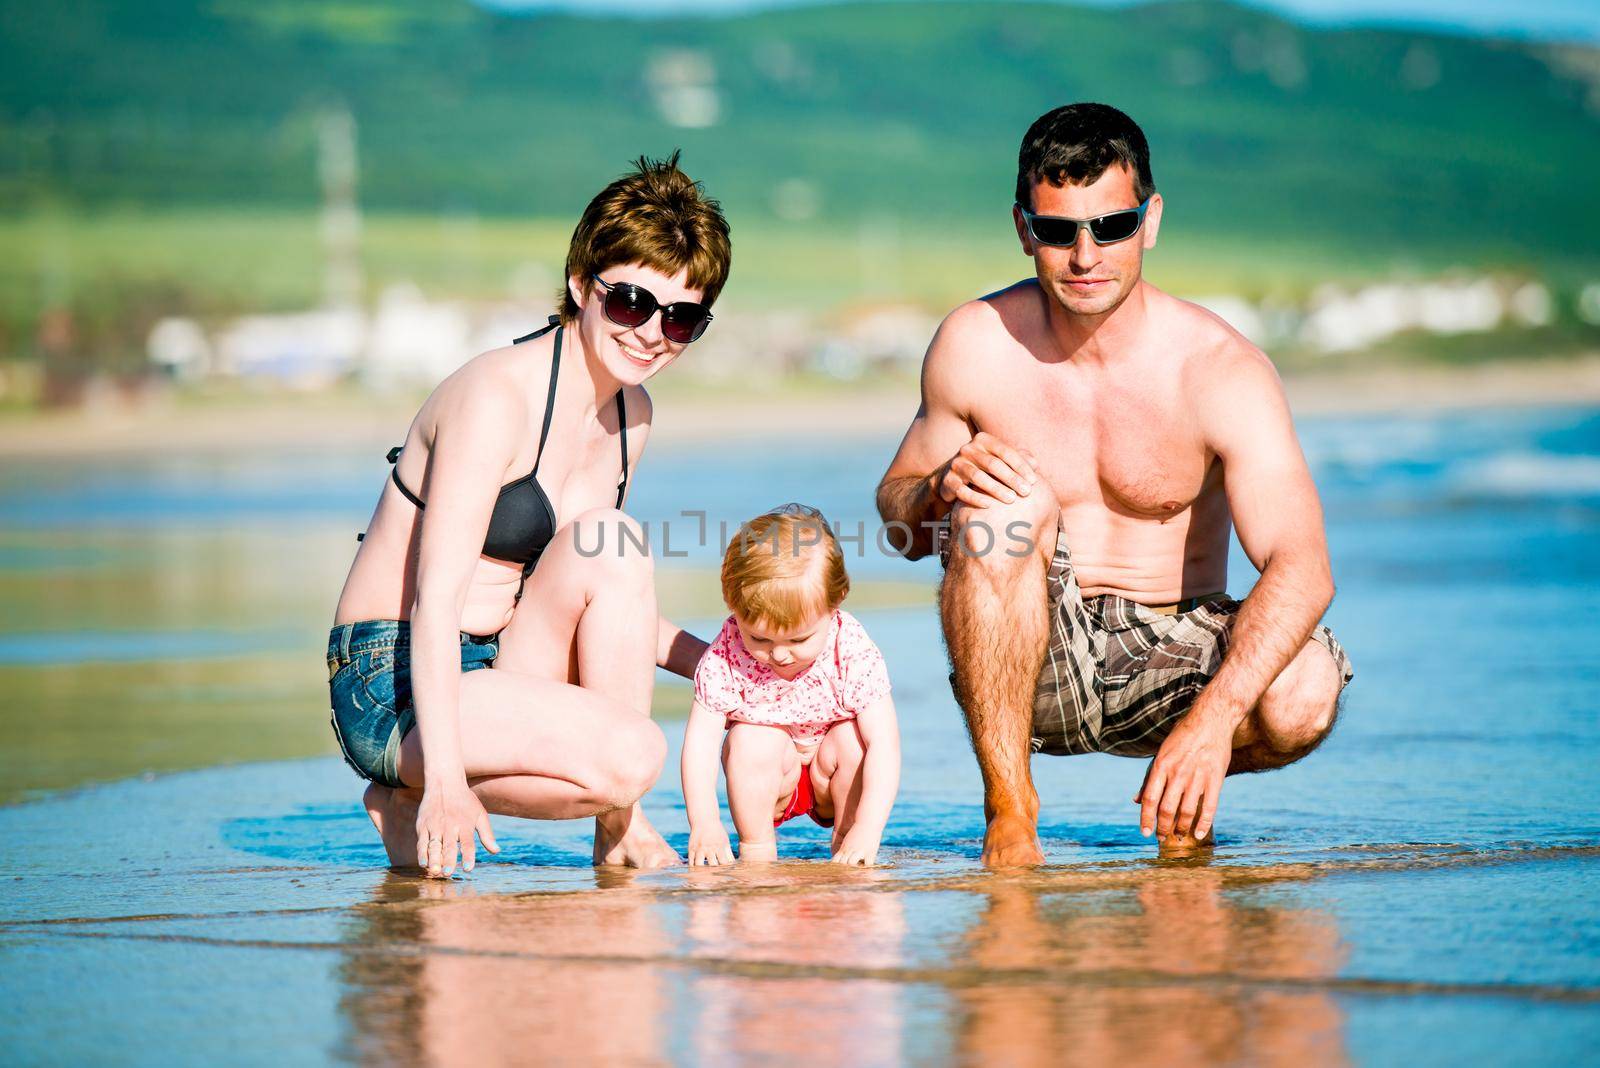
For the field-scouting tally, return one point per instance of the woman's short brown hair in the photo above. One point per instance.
(655, 215)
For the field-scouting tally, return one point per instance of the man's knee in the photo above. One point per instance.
(1319, 689)
(1297, 713)
(1004, 534)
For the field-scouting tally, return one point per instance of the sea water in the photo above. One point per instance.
(1420, 889)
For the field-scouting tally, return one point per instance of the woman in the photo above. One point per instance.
(513, 459)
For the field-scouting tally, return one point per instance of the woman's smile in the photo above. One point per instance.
(640, 358)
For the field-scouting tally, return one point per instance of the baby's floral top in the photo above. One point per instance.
(847, 677)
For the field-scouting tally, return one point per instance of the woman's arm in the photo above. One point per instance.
(475, 431)
(880, 782)
(708, 839)
(677, 650)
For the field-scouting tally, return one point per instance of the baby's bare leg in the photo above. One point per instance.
(762, 769)
(836, 774)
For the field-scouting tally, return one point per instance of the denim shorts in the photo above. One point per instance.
(369, 686)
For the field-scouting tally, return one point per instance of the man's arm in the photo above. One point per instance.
(941, 460)
(1246, 422)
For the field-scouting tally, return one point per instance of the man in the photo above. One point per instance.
(1084, 440)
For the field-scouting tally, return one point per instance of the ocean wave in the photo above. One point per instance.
(1522, 474)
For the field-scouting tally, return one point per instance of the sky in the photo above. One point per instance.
(1555, 20)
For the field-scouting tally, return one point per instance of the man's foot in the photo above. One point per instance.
(1179, 846)
(1012, 841)
(627, 838)
(394, 813)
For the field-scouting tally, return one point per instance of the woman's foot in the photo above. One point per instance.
(394, 813)
(626, 838)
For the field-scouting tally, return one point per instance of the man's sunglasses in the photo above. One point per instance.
(626, 304)
(1105, 229)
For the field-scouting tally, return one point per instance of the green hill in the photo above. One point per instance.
(1266, 134)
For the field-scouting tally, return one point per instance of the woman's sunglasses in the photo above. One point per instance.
(1105, 229)
(629, 305)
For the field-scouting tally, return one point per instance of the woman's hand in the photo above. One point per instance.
(710, 845)
(858, 847)
(446, 820)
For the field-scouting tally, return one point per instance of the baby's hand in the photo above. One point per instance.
(710, 846)
(858, 847)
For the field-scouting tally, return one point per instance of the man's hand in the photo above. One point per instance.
(1184, 781)
(986, 471)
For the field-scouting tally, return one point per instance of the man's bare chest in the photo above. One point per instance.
(1132, 445)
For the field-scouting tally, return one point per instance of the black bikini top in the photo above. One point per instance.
(523, 521)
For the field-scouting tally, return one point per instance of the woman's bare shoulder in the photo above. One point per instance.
(641, 413)
(641, 409)
(488, 392)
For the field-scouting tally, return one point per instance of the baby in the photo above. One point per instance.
(803, 695)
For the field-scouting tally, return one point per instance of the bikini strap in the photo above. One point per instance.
(544, 431)
(549, 409)
(527, 569)
(394, 476)
(555, 321)
(622, 424)
(550, 401)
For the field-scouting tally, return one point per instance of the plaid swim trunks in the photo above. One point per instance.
(1119, 675)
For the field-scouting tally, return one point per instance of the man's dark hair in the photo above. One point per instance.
(1076, 143)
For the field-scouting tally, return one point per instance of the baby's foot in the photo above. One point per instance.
(758, 852)
(394, 813)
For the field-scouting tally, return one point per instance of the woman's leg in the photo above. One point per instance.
(531, 748)
(559, 727)
(588, 617)
(836, 777)
(762, 770)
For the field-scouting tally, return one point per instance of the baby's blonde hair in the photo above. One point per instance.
(784, 568)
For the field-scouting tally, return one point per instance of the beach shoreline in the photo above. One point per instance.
(157, 424)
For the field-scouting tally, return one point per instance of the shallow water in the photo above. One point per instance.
(1419, 890)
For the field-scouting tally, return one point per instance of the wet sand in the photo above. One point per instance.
(247, 909)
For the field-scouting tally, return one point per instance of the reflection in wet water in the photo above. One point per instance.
(806, 942)
(1129, 966)
(1146, 974)
(274, 911)
(453, 977)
